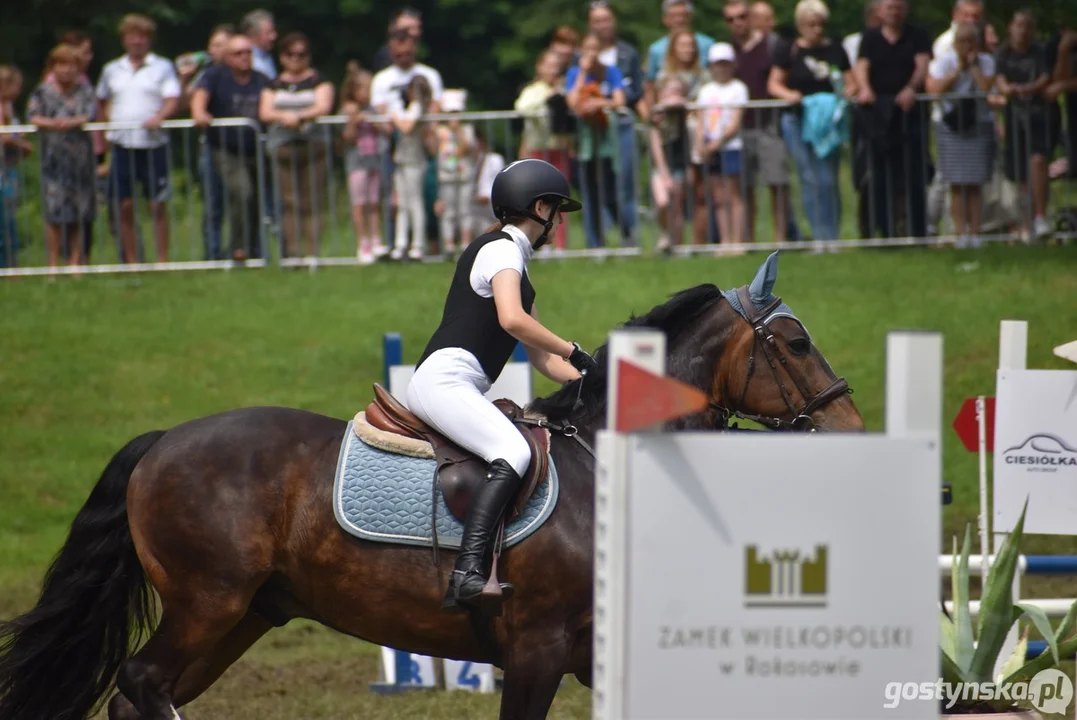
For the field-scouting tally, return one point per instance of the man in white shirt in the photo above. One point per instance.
(387, 86)
(965, 11)
(872, 19)
(259, 27)
(386, 94)
(140, 89)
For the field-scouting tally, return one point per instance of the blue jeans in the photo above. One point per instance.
(625, 167)
(626, 178)
(818, 181)
(9, 237)
(212, 204)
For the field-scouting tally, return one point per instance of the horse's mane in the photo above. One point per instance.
(672, 317)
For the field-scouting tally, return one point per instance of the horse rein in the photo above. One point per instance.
(763, 337)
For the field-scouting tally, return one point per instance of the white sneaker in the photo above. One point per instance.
(415, 253)
(396, 254)
(1040, 227)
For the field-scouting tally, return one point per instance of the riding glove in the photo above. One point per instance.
(580, 360)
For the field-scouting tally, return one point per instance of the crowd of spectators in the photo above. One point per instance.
(725, 125)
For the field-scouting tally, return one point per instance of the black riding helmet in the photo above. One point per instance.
(520, 184)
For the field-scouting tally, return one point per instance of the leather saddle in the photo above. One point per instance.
(459, 472)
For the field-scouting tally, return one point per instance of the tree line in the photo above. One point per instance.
(486, 46)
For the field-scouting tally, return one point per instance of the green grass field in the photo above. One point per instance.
(90, 362)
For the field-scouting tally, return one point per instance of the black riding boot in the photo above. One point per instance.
(469, 576)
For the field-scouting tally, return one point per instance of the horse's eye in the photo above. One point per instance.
(800, 346)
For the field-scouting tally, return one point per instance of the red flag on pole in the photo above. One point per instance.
(645, 399)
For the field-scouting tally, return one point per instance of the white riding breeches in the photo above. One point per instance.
(447, 392)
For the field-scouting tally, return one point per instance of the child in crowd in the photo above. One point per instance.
(549, 129)
(456, 171)
(363, 161)
(411, 159)
(488, 163)
(721, 103)
(13, 149)
(670, 150)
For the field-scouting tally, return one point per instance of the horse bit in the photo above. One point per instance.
(802, 419)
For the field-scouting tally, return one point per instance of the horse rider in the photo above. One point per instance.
(490, 306)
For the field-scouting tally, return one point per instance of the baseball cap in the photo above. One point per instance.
(720, 52)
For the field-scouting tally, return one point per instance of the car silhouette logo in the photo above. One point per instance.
(1043, 450)
(1044, 443)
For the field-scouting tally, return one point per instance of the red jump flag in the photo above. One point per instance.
(645, 399)
(968, 428)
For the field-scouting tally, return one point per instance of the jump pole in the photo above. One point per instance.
(1012, 355)
(646, 349)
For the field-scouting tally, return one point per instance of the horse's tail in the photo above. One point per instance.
(58, 660)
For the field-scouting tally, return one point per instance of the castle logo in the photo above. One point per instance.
(785, 579)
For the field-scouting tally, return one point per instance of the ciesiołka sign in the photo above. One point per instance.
(1036, 450)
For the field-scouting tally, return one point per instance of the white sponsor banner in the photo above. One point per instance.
(780, 577)
(1036, 451)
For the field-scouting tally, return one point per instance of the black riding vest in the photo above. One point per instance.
(470, 321)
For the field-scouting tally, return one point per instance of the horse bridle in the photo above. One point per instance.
(763, 337)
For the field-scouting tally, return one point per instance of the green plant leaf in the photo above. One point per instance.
(1067, 625)
(996, 604)
(947, 636)
(1043, 625)
(1043, 662)
(951, 673)
(959, 583)
(1017, 657)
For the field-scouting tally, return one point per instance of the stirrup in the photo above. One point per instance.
(488, 601)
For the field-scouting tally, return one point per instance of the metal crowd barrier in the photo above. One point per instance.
(259, 197)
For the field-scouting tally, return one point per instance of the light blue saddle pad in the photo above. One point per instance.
(384, 497)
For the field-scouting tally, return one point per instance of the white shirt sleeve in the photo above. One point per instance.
(436, 84)
(851, 43)
(170, 85)
(491, 166)
(103, 90)
(740, 94)
(943, 65)
(493, 258)
(379, 89)
(943, 44)
(987, 64)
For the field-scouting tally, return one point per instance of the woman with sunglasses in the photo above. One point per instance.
(293, 101)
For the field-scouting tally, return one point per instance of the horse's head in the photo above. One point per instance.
(751, 355)
(771, 372)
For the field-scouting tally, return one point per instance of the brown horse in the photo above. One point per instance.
(229, 519)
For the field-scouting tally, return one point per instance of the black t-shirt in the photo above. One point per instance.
(1021, 68)
(753, 69)
(808, 70)
(229, 98)
(891, 65)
